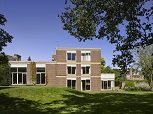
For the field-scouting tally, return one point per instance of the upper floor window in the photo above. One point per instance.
(71, 56)
(71, 70)
(85, 69)
(85, 56)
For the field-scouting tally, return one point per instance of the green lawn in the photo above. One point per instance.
(54, 100)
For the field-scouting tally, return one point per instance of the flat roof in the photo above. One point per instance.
(78, 48)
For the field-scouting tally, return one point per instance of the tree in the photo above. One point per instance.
(144, 61)
(29, 59)
(102, 64)
(125, 23)
(4, 65)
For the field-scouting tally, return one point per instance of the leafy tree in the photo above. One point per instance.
(29, 59)
(125, 23)
(102, 64)
(4, 70)
(144, 60)
(4, 66)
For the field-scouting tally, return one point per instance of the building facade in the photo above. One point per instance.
(77, 68)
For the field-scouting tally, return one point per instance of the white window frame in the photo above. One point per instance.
(85, 85)
(71, 69)
(87, 56)
(85, 66)
(71, 55)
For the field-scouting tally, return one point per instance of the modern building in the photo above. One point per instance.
(77, 68)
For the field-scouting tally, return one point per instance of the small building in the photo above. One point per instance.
(77, 68)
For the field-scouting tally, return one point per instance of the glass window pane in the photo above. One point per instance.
(105, 84)
(83, 84)
(69, 70)
(22, 69)
(19, 78)
(83, 70)
(24, 78)
(13, 69)
(87, 84)
(42, 78)
(38, 78)
(109, 84)
(73, 70)
(40, 69)
(68, 56)
(69, 83)
(14, 78)
(73, 84)
(73, 56)
(102, 84)
(87, 69)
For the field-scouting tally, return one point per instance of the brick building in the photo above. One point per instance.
(77, 68)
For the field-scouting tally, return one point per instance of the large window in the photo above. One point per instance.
(71, 83)
(18, 75)
(86, 84)
(85, 69)
(106, 84)
(40, 79)
(71, 56)
(71, 70)
(85, 57)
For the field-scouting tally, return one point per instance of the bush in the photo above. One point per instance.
(129, 86)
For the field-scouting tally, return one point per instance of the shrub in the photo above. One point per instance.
(129, 86)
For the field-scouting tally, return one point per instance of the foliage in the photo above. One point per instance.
(144, 61)
(33, 72)
(4, 70)
(129, 85)
(4, 36)
(125, 23)
(102, 64)
(59, 100)
(29, 58)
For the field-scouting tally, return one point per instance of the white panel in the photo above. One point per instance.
(72, 65)
(112, 83)
(71, 51)
(85, 51)
(18, 65)
(40, 65)
(71, 78)
(84, 65)
(108, 76)
(84, 78)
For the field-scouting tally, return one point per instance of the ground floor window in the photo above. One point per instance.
(106, 84)
(40, 78)
(18, 75)
(86, 84)
(71, 83)
(18, 78)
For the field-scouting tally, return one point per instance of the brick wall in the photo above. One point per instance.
(60, 55)
(78, 70)
(51, 71)
(95, 83)
(61, 69)
(95, 70)
(95, 55)
(29, 79)
(78, 56)
(61, 81)
(78, 83)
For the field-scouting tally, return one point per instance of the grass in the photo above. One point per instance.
(60, 100)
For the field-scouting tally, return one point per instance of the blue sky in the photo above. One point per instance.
(37, 30)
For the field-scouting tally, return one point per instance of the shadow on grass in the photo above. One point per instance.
(107, 103)
(81, 103)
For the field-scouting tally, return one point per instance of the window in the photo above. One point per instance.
(71, 70)
(86, 70)
(85, 56)
(71, 83)
(106, 84)
(18, 75)
(40, 79)
(86, 84)
(71, 56)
